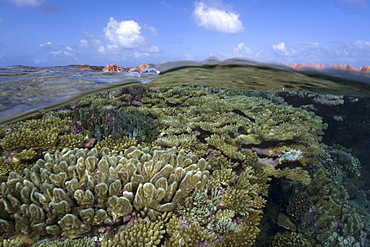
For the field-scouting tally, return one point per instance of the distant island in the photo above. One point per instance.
(336, 66)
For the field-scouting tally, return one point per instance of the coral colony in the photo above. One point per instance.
(174, 166)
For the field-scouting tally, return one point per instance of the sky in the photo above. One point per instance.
(128, 33)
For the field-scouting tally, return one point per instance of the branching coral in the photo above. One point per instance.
(335, 216)
(291, 239)
(246, 234)
(297, 173)
(187, 233)
(142, 233)
(36, 133)
(117, 145)
(82, 242)
(299, 204)
(115, 123)
(226, 122)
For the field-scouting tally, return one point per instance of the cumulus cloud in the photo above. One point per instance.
(216, 19)
(123, 35)
(242, 50)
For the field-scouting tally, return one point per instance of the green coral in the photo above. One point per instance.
(197, 207)
(245, 234)
(83, 242)
(142, 233)
(246, 197)
(299, 204)
(222, 178)
(117, 145)
(342, 164)
(7, 166)
(335, 214)
(220, 162)
(229, 121)
(35, 133)
(115, 123)
(291, 239)
(26, 154)
(71, 141)
(187, 233)
(16, 242)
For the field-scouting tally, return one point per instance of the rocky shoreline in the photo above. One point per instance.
(335, 66)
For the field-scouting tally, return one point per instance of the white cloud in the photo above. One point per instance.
(46, 44)
(279, 47)
(359, 4)
(217, 19)
(140, 55)
(153, 30)
(89, 41)
(356, 53)
(189, 56)
(242, 50)
(84, 43)
(32, 3)
(152, 49)
(101, 49)
(123, 35)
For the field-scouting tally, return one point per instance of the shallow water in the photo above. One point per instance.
(27, 90)
(339, 98)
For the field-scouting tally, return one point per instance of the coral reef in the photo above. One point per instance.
(68, 192)
(117, 145)
(35, 133)
(142, 233)
(187, 233)
(175, 166)
(297, 173)
(291, 239)
(299, 204)
(82, 242)
(335, 217)
(229, 122)
(115, 123)
(245, 235)
(341, 163)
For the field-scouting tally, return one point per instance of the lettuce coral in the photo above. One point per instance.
(68, 192)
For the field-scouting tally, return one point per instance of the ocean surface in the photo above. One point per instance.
(317, 121)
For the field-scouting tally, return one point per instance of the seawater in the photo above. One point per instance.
(340, 98)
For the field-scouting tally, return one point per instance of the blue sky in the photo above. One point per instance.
(127, 33)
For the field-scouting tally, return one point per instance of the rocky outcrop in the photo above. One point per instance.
(336, 66)
(112, 68)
